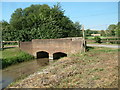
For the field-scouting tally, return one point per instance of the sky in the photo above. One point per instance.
(93, 15)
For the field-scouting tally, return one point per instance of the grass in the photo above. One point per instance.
(96, 68)
(107, 43)
(12, 56)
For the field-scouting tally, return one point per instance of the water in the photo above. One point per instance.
(14, 72)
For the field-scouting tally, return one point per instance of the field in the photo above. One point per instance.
(104, 40)
(97, 68)
(12, 56)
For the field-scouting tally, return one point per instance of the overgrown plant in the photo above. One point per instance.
(97, 39)
(14, 56)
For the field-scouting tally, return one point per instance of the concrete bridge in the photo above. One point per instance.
(53, 48)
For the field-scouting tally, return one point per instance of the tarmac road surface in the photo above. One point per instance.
(101, 45)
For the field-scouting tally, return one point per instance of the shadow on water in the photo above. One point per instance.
(18, 71)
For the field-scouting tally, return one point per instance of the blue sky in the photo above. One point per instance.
(93, 15)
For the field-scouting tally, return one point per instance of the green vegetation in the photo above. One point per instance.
(39, 22)
(103, 40)
(109, 36)
(112, 31)
(88, 32)
(97, 39)
(10, 43)
(97, 68)
(14, 55)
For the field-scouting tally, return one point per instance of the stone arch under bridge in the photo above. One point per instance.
(53, 48)
(58, 55)
(42, 54)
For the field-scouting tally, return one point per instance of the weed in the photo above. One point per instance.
(95, 77)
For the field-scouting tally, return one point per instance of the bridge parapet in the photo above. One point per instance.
(73, 38)
(26, 46)
(51, 46)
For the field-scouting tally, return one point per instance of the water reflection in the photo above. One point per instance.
(16, 71)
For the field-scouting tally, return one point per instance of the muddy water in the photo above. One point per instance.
(20, 70)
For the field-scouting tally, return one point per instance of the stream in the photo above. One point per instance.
(20, 70)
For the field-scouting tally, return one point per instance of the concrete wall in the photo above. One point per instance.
(52, 46)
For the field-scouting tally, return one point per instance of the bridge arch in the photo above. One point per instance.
(42, 54)
(58, 55)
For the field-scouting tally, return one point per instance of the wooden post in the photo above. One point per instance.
(84, 43)
(83, 32)
(2, 45)
(19, 44)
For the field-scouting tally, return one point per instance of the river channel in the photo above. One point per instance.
(20, 70)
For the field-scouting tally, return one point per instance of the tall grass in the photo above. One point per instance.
(13, 56)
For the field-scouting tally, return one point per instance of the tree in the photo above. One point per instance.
(16, 19)
(111, 30)
(88, 32)
(41, 22)
(102, 32)
(117, 30)
(76, 31)
(6, 31)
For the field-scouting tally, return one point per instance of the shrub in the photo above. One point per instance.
(97, 39)
(18, 58)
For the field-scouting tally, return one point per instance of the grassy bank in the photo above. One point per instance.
(96, 68)
(12, 56)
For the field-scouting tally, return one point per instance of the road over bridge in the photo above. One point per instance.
(53, 48)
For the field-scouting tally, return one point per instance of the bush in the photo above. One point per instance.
(97, 39)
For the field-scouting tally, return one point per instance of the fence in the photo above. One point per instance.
(9, 44)
(113, 40)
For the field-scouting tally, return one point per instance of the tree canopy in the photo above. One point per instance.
(88, 32)
(113, 30)
(39, 22)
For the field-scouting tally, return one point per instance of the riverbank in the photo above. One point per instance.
(13, 55)
(96, 68)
